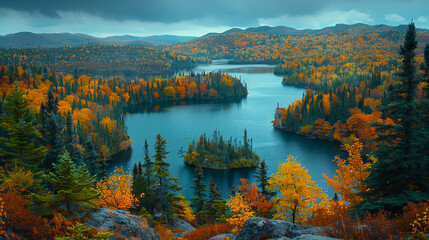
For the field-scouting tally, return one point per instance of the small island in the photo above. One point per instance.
(216, 153)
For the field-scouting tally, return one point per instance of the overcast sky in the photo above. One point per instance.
(197, 17)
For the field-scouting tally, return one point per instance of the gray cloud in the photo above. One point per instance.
(49, 15)
(232, 12)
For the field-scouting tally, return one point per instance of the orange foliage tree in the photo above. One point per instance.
(254, 199)
(242, 212)
(350, 174)
(116, 191)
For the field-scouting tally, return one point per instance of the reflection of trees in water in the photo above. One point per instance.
(151, 108)
(251, 70)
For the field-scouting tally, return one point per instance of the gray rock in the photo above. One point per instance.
(223, 236)
(121, 223)
(177, 223)
(179, 234)
(306, 237)
(256, 228)
(313, 237)
(260, 228)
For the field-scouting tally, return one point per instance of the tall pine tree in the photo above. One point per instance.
(20, 143)
(197, 202)
(53, 140)
(148, 164)
(70, 141)
(214, 207)
(394, 180)
(166, 185)
(90, 158)
(262, 179)
(70, 184)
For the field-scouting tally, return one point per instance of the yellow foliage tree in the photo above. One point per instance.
(185, 212)
(116, 191)
(299, 192)
(18, 180)
(242, 212)
(350, 174)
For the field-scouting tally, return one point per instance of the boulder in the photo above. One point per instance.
(261, 228)
(306, 237)
(223, 236)
(313, 237)
(121, 223)
(178, 223)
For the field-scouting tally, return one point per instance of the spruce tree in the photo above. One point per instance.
(424, 131)
(197, 202)
(262, 179)
(52, 105)
(90, 158)
(166, 185)
(70, 184)
(394, 180)
(215, 207)
(143, 191)
(53, 140)
(19, 145)
(43, 118)
(148, 165)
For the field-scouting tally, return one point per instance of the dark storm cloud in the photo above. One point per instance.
(230, 12)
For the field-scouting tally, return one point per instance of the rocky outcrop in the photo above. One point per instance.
(261, 228)
(178, 223)
(224, 236)
(121, 223)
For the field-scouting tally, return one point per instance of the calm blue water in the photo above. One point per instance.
(179, 125)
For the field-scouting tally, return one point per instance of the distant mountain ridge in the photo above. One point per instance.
(32, 40)
(357, 28)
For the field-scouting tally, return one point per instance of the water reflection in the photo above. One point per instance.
(181, 124)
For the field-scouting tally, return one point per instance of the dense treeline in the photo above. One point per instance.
(101, 60)
(338, 112)
(217, 153)
(57, 130)
(345, 94)
(343, 51)
(96, 106)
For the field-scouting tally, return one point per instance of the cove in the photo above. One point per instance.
(179, 125)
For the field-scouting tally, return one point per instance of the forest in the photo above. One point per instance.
(221, 154)
(62, 116)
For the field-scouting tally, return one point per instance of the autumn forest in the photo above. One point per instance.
(63, 123)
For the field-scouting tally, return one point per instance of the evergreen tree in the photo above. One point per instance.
(52, 105)
(197, 202)
(70, 184)
(424, 131)
(80, 231)
(101, 166)
(262, 179)
(21, 137)
(43, 118)
(90, 158)
(394, 180)
(53, 140)
(148, 165)
(215, 207)
(166, 185)
(143, 191)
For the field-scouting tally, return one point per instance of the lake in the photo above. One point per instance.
(179, 125)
